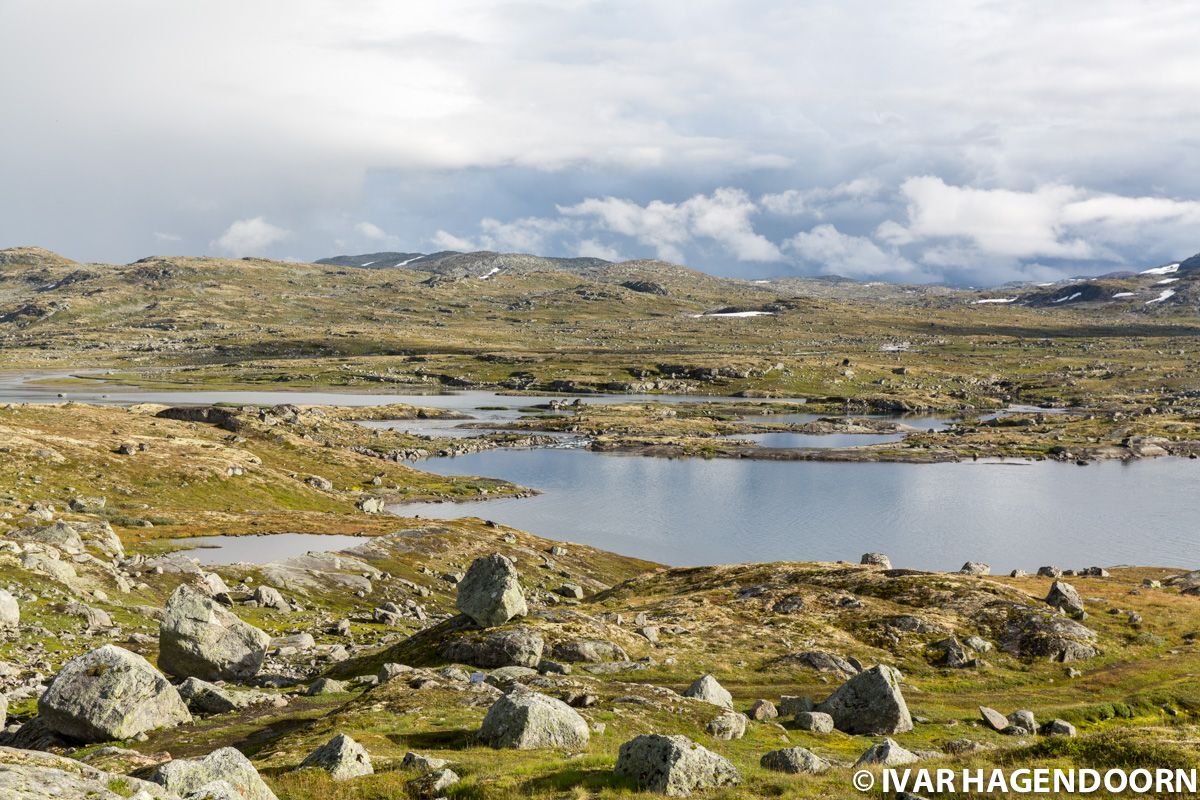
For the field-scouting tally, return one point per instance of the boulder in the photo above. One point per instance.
(270, 597)
(200, 638)
(203, 697)
(413, 760)
(110, 693)
(1049, 572)
(1034, 634)
(190, 777)
(794, 761)
(876, 560)
(763, 710)
(434, 784)
(1023, 719)
(824, 662)
(975, 568)
(869, 703)
(673, 765)
(588, 650)
(790, 704)
(342, 757)
(1065, 598)
(325, 685)
(526, 720)
(886, 754)
(993, 718)
(33, 775)
(490, 593)
(707, 689)
(518, 647)
(1058, 727)
(814, 721)
(952, 655)
(58, 534)
(10, 610)
(727, 726)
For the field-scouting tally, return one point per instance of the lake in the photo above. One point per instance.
(694, 511)
(929, 516)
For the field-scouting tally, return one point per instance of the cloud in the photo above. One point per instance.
(249, 236)
(428, 118)
(371, 231)
(163, 236)
(722, 217)
(590, 248)
(796, 202)
(1055, 221)
(837, 253)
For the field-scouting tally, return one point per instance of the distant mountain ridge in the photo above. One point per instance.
(455, 264)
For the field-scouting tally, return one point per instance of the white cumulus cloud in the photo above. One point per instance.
(250, 237)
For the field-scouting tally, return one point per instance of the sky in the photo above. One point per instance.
(965, 142)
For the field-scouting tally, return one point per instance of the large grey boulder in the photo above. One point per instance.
(34, 775)
(200, 638)
(189, 777)
(526, 720)
(58, 534)
(707, 689)
(1034, 634)
(110, 693)
(1065, 598)
(876, 560)
(10, 610)
(518, 647)
(794, 760)
(814, 721)
(673, 765)
(591, 651)
(490, 593)
(869, 703)
(342, 757)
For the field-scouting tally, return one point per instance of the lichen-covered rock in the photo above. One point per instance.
(1058, 727)
(876, 560)
(763, 710)
(342, 757)
(110, 693)
(821, 661)
(490, 593)
(10, 610)
(727, 726)
(517, 647)
(814, 722)
(34, 775)
(794, 761)
(1065, 598)
(869, 703)
(975, 568)
(886, 754)
(188, 777)
(526, 720)
(707, 689)
(673, 765)
(1037, 634)
(592, 651)
(200, 638)
(434, 784)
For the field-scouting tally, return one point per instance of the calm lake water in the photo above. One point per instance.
(932, 516)
(692, 511)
